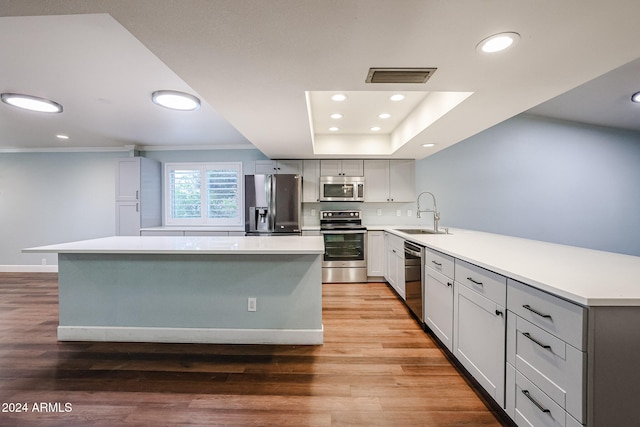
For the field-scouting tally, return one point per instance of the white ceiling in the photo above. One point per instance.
(253, 63)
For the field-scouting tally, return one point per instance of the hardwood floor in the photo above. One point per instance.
(376, 368)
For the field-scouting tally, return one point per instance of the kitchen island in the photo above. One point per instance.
(191, 289)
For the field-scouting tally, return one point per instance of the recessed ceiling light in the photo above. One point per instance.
(384, 115)
(175, 100)
(62, 136)
(498, 42)
(375, 128)
(635, 97)
(336, 116)
(428, 145)
(339, 97)
(397, 97)
(334, 129)
(32, 103)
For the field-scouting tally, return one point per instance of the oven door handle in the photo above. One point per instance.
(342, 231)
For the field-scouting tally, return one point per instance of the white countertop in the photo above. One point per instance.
(190, 245)
(584, 276)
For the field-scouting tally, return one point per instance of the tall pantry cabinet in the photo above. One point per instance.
(138, 195)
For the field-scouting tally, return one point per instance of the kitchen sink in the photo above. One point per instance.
(419, 231)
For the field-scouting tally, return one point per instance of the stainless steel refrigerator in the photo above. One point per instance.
(272, 204)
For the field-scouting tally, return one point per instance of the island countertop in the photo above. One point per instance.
(584, 276)
(189, 245)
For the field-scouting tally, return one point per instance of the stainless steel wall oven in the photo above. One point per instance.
(345, 243)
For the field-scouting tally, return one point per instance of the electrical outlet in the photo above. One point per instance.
(379, 212)
(409, 212)
(398, 212)
(313, 212)
(44, 261)
(252, 304)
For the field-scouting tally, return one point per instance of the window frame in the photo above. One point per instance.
(203, 220)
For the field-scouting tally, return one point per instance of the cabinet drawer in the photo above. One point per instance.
(487, 283)
(440, 262)
(551, 364)
(533, 407)
(561, 318)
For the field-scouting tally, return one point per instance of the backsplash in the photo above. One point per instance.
(372, 213)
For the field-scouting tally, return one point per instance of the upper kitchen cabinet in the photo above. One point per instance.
(263, 167)
(390, 180)
(138, 195)
(310, 181)
(333, 167)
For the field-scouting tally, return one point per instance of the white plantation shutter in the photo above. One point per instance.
(222, 192)
(203, 193)
(184, 193)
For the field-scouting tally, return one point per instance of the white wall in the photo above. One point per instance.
(541, 179)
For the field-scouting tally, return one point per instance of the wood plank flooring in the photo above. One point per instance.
(376, 368)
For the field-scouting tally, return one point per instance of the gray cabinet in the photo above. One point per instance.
(479, 326)
(439, 295)
(278, 166)
(138, 195)
(394, 263)
(546, 356)
(375, 253)
(336, 167)
(310, 181)
(389, 180)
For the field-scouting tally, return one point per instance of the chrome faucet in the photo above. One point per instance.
(436, 214)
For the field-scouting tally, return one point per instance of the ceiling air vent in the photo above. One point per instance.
(399, 75)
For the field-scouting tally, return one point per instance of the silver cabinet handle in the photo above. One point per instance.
(528, 307)
(545, 346)
(535, 402)
(439, 264)
(137, 207)
(137, 194)
(474, 281)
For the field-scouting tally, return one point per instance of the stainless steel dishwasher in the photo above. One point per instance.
(413, 255)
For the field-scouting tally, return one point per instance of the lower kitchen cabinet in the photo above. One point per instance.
(128, 218)
(438, 304)
(394, 268)
(479, 338)
(375, 253)
(546, 358)
(439, 296)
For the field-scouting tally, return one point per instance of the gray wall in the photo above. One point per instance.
(48, 198)
(541, 179)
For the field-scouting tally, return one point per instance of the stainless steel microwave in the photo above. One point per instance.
(342, 189)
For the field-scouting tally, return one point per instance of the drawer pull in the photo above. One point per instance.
(439, 264)
(474, 281)
(498, 313)
(449, 284)
(535, 402)
(528, 307)
(546, 347)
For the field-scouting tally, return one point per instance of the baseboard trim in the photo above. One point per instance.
(191, 335)
(28, 268)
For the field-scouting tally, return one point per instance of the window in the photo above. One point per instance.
(203, 193)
